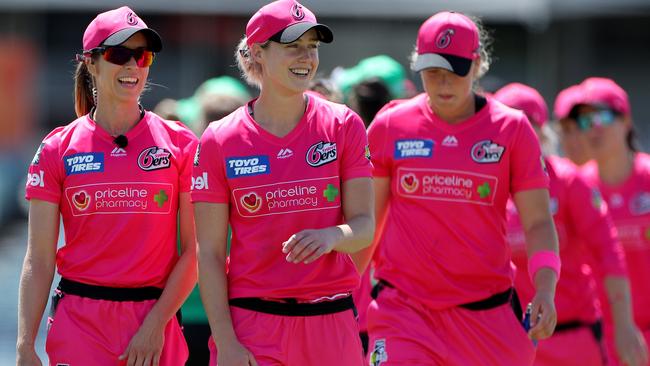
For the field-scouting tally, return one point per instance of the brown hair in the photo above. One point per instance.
(83, 95)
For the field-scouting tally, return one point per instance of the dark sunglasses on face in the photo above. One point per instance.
(119, 55)
(601, 117)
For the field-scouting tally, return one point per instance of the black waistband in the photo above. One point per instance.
(491, 302)
(70, 287)
(595, 327)
(292, 308)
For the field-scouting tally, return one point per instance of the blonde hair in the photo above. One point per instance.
(250, 69)
(484, 48)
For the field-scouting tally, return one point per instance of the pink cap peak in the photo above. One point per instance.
(525, 99)
(115, 26)
(603, 91)
(566, 100)
(447, 40)
(290, 18)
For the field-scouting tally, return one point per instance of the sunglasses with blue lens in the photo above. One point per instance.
(601, 117)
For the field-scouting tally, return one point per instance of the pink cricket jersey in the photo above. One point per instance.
(444, 239)
(276, 187)
(119, 205)
(629, 205)
(585, 232)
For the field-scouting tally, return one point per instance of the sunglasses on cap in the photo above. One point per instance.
(120, 55)
(601, 117)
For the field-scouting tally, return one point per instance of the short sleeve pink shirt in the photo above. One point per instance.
(444, 238)
(119, 205)
(629, 205)
(276, 187)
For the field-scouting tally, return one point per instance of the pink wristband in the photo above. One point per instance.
(543, 258)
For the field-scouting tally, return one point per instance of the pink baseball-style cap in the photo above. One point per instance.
(526, 99)
(115, 26)
(284, 21)
(566, 100)
(447, 40)
(605, 92)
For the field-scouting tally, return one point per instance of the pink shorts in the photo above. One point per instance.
(569, 348)
(404, 332)
(331, 339)
(96, 332)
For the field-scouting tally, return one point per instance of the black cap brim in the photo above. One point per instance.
(154, 42)
(458, 65)
(295, 31)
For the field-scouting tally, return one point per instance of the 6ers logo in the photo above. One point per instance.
(296, 12)
(251, 202)
(132, 19)
(486, 152)
(321, 153)
(81, 200)
(410, 182)
(444, 38)
(154, 158)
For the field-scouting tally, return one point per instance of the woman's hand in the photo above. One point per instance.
(308, 245)
(145, 346)
(544, 316)
(234, 354)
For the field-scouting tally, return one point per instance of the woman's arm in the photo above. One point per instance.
(212, 232)
(536, 219)
(36, 277)
(355, 234)
(382, 194)
(147, 343)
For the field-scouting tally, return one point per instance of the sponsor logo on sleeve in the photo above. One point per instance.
(154, 158)
(201, 182)
(247, 166)
(447, 185)
(120, 198)
(413, 149)
(321, 153)
(83, 163)
(367, 152)
(288, 197)
(378, 354)
(487, 152)
(36, 179)
(37, 155)
(197, 154)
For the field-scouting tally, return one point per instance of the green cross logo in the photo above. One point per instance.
(161, 198)
(330, 193)
(647, 233)
(484, 190)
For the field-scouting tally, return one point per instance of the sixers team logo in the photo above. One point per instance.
(487, 152)
(410, 182)
(251, 202)
(640, 204)
(321, 153)
(81, 200)
(444, 38)
(296, 12)
(154, 158)
(132, 19)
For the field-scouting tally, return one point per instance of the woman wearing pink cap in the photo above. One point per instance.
(445, 163)
(291, 174)
(585, 232)
(623, 175)
(119, 177)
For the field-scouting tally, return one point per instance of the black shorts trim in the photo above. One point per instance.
(289, 307)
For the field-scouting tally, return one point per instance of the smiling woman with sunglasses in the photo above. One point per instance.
(119, 177)
(623, 175)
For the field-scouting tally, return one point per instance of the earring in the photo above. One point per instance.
(94, 91)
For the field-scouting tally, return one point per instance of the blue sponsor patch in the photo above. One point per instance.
(83, 163)
(246, 166)
(413, 149)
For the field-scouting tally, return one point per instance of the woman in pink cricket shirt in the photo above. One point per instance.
(572, 144)
(291, 174)
(119, 177)
(623, 175)
(445, 163)
(585, 233)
